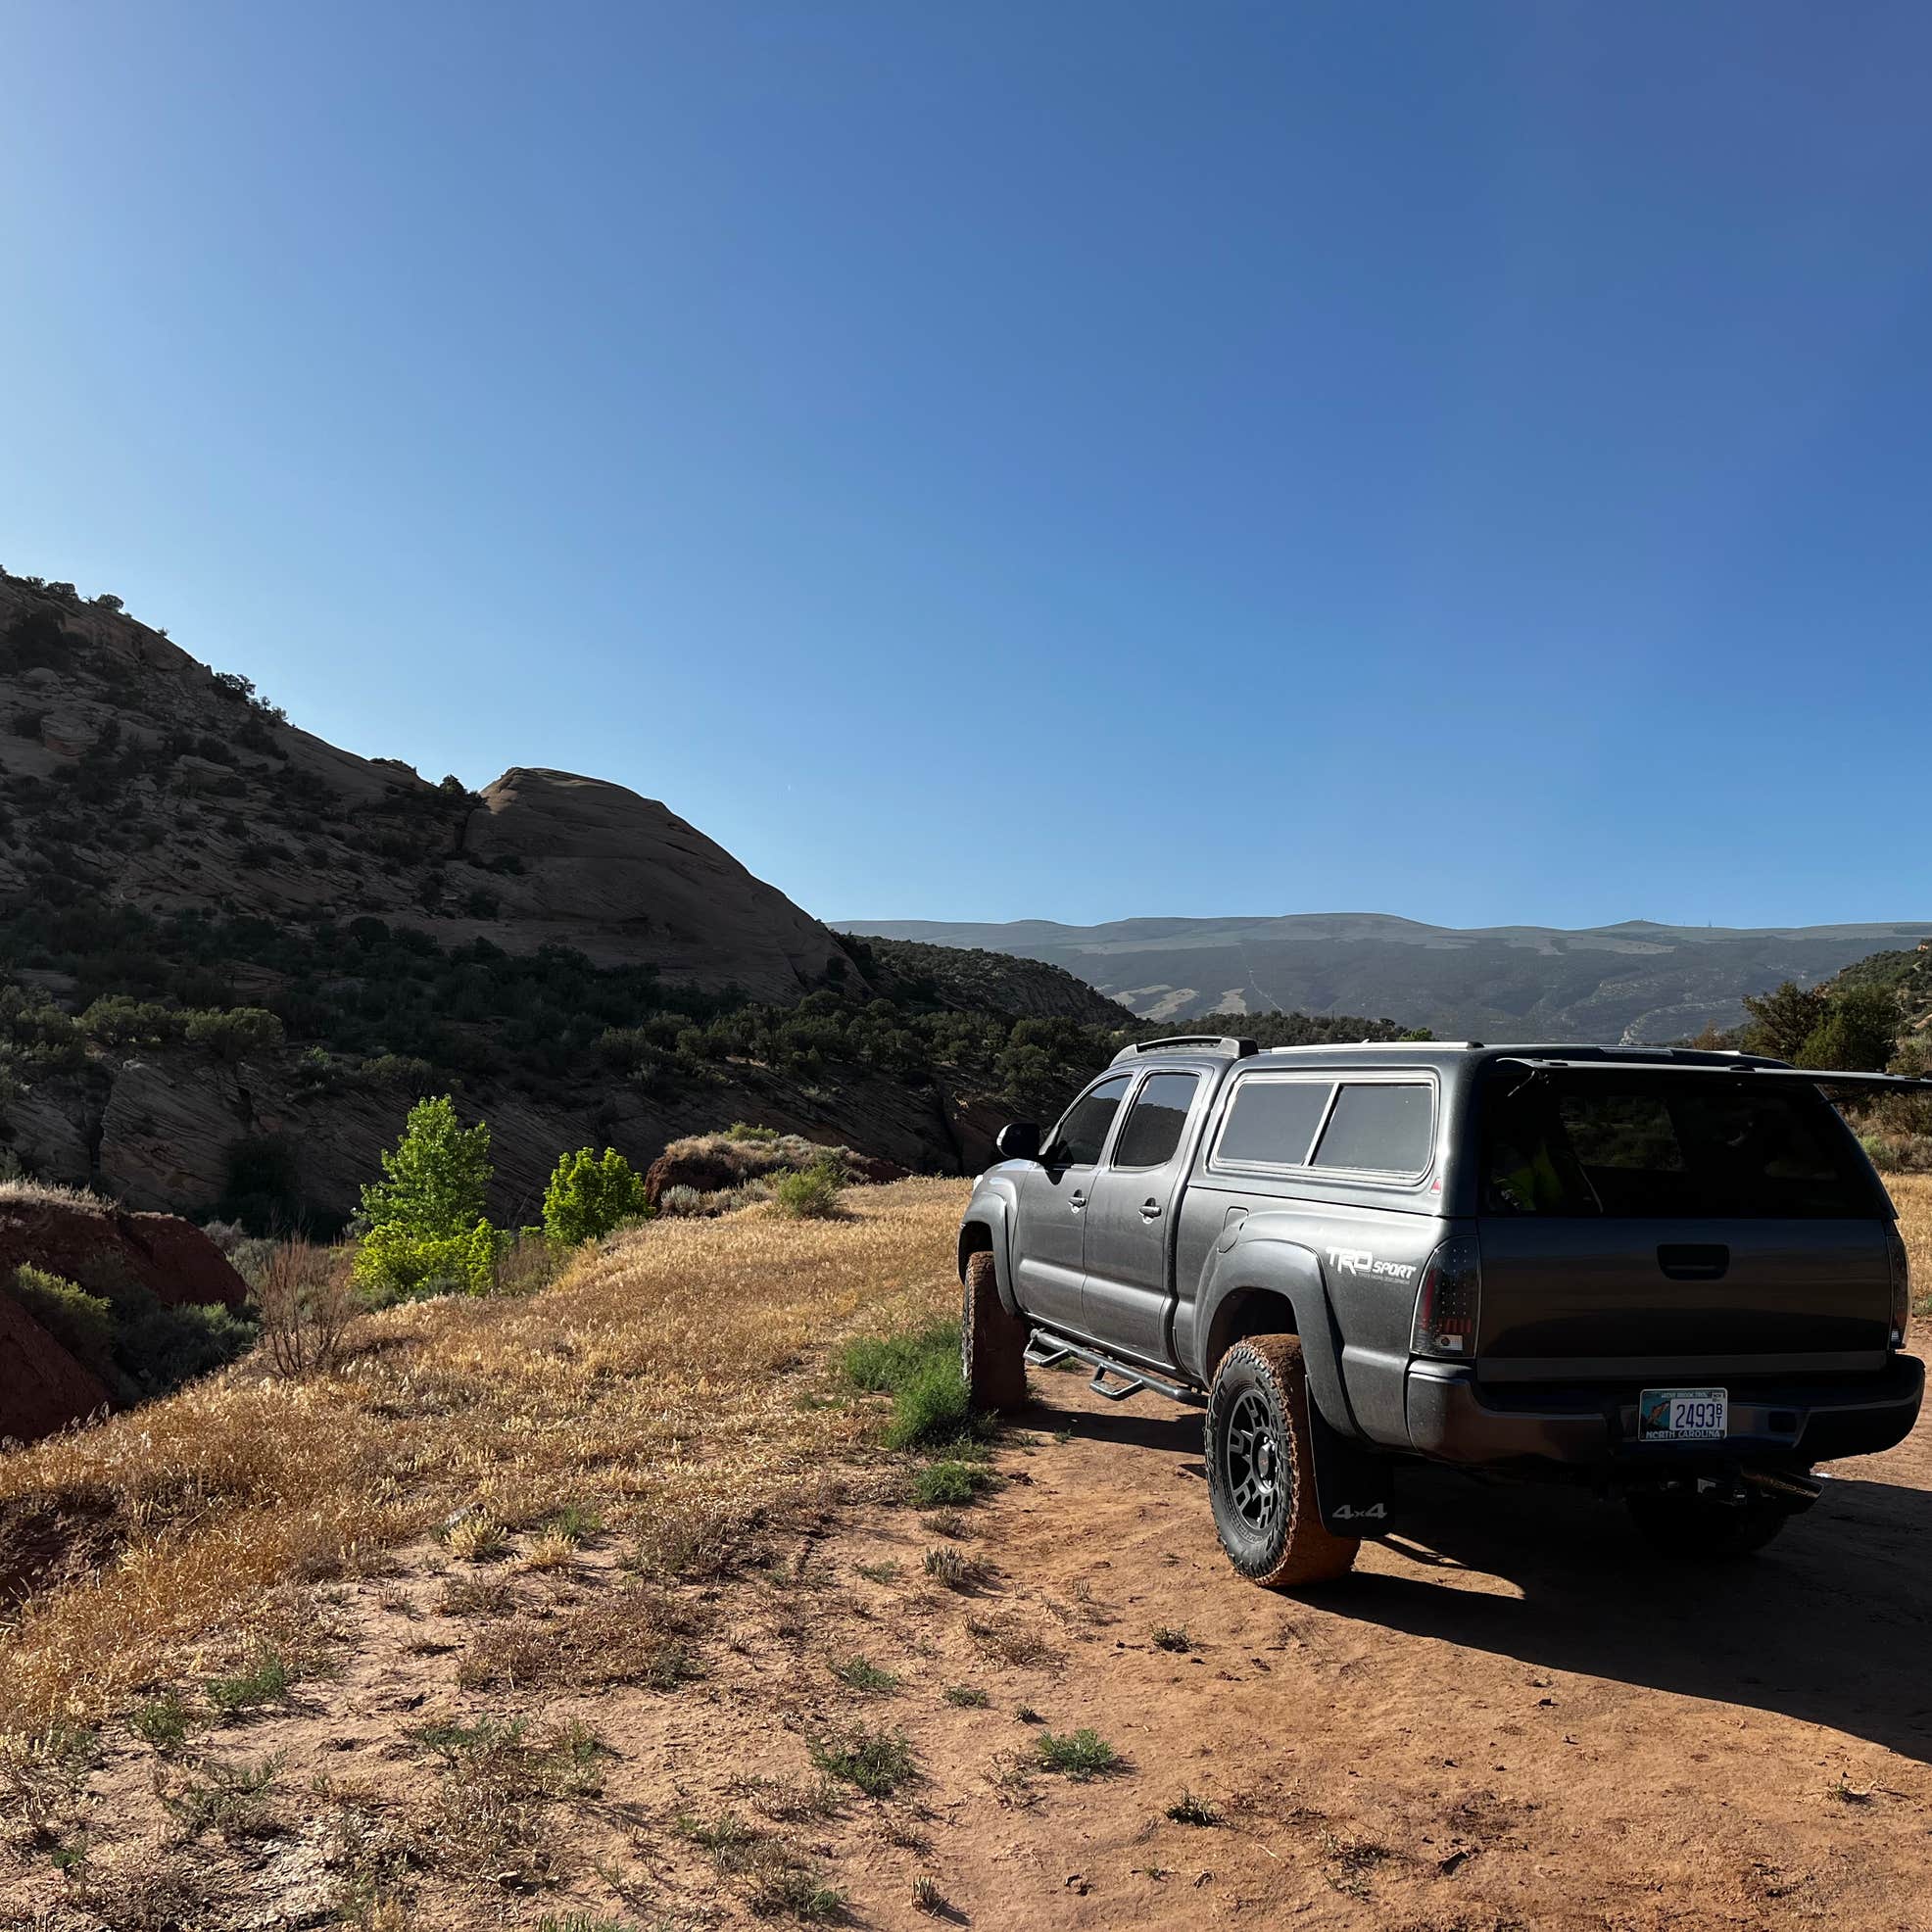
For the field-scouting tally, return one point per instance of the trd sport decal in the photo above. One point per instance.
(1360, 1262)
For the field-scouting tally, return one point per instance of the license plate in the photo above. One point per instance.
(1683, 1415)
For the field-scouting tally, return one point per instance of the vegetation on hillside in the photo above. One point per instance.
(363, 1000)
(1874, 1016)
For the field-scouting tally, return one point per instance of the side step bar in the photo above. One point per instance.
(1045, 1350)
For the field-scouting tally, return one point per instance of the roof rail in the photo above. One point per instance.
(1234, 1050)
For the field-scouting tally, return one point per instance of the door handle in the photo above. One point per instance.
(1150, 1210)
(1076, 1201)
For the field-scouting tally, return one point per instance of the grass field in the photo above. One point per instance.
(649, 1388)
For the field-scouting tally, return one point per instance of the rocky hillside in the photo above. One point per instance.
(969, 980)
(131, 770)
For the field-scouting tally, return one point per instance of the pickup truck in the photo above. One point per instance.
(1666, 1274)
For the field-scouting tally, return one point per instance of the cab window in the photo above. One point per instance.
(1084, 1133)
(1154, 1123)
(1272, 1122)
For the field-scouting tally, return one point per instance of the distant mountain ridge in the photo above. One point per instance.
(1637, 982)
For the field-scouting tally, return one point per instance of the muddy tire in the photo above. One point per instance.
(1696, 1530)
(993, 1344)
(1260, 1466)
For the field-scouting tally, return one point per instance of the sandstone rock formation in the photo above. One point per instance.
(623, 879)
(42, 1388)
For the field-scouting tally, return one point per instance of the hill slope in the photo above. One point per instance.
(130, 769)
(1630, 982)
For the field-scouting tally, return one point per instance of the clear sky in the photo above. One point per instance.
(1067, 460)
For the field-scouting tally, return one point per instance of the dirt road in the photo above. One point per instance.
(1514, 1716)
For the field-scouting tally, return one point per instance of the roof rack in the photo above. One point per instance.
(1192, 1043)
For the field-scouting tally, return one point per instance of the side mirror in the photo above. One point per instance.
(1018, 1140)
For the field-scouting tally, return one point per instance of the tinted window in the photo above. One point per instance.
(1154, 1122)
(1273, 1121)
(1662, 1148)
(1384, 1126)
(1084, 1132)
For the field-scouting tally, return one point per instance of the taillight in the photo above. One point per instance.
(1895, 1250)
(1449, 1301)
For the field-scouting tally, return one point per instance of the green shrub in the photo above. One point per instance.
(941, 1485)
(920, 1369)
(877, 1762)
(881, 1364)
(234, 1032)
(743, 1131)
(267, 1682)
(810, 1195)
(932, 1407)
(115, 1020)
(590, 1194)
(396, 1263)
(83, 1324)
(1080, 1756)
(158, 1348)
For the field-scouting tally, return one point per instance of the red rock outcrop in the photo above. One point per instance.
(42, 1388)
(169, 1257)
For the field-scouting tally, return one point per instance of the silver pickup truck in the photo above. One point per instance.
(1670, 1274)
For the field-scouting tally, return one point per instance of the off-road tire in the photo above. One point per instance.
(1702, 1531)
(1261, 1469)
(993, 1344)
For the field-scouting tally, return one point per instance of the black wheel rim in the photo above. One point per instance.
(1254, 1462)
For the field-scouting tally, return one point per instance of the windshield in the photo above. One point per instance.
(1650, 1146)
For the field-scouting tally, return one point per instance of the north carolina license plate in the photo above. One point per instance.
(1683, 1415)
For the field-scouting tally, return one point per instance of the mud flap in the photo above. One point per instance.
(1354, 1487)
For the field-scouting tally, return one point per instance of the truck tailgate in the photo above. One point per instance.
(1680, 1297)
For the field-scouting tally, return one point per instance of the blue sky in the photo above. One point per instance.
(1010, 461)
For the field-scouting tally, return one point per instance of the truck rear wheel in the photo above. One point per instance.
(993, 1344)
(1698, 1527)
(1261, 1469)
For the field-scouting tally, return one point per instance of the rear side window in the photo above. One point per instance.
(1380, 1126)
(1084, 1132)
(1154, 1123)
(1658, 1148)
(1272, 1122)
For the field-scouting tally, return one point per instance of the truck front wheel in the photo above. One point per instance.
(1261, 1467)
(993, 1344)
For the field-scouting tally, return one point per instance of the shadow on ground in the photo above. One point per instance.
(1831, 1624)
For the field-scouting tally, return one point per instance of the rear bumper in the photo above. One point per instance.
(1816, 1420)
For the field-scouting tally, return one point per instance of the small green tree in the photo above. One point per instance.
(1783, 1019)
(427, 1228)
(590, 1194)
(1858, 1034)
(435, 1179)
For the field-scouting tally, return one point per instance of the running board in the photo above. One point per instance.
(1046, 1351)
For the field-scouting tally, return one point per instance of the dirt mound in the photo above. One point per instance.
(42, 1388)
(172, 1258)
(713, 1162)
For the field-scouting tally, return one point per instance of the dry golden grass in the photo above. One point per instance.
(1911, 1195)
(649, 1384)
